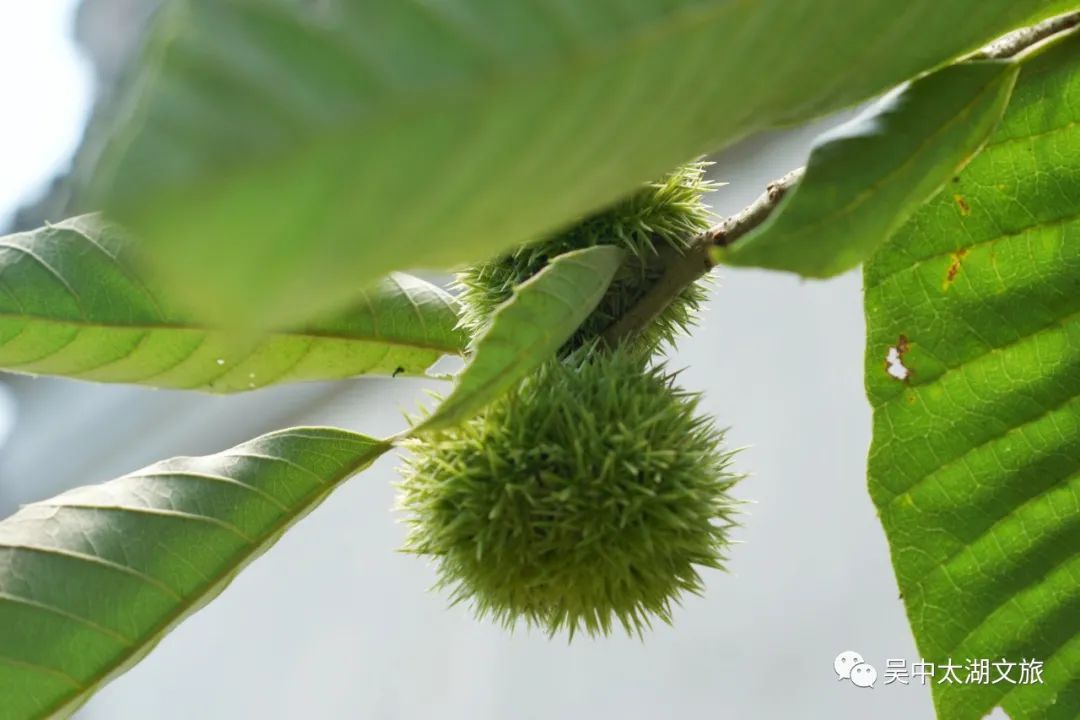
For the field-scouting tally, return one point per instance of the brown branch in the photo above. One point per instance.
(753, 214)
(1016, 42)
(683, 269)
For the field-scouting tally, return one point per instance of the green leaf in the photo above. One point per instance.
(529, 328)
(865, 178)
(973, 371)
(275, 155)
(91, 580)
(71, 304)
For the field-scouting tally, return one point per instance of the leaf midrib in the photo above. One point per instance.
(215, 583)
(181, 327)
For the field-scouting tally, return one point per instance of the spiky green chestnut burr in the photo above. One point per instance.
(588, 497)
(659, 218)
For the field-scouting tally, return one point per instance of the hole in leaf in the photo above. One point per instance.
(894, 360)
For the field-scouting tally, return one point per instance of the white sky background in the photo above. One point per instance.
(45, 96)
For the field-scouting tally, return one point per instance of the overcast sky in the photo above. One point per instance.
(45, 92)
(45, 89)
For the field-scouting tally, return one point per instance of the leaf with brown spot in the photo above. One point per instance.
(975, 462)
(866, 177)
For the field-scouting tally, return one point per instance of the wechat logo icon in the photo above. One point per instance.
(849, 665)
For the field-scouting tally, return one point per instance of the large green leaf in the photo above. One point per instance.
(973, 370)
(71, 304)
(91, 580)
(866, 177)
(528, 329)
(276, 154)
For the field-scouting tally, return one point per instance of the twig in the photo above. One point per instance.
(1014, 43)
(686, 268)
(753, 214)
